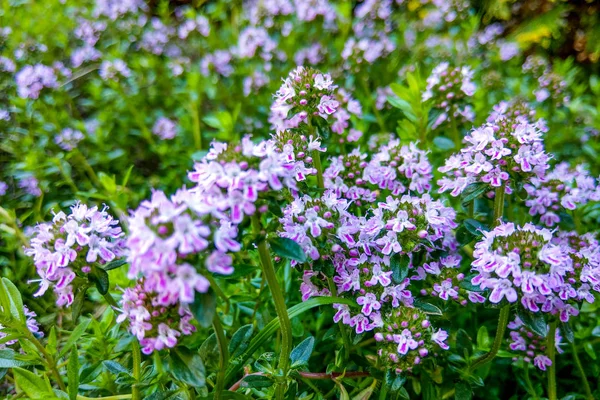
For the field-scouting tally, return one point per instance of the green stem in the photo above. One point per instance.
(317, 161)
(223, 356)
(455, 134)
(49, 360)
(344, 334)
(550, 352)
(502, 323)
(279, 300)
(498, 205)
(137, 370)
(505, 311)
(530, 388)
(584, 381)
(117, 397)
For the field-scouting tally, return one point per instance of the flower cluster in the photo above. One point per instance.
(164, 128)
(497, 152)
(529, 346)
(33, 78)
(30, 185)
(354, 255)
(562, 187)
(156, 326)
(299, 152)
(526, 264)
(396, 168)
(304, 94)
(68, 139)
(551, 85)
(199, 226)
(407, 337)
(111, 70)
(449, 88)
(71, 246)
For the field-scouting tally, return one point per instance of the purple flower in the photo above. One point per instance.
(164, 128)
(33, 78)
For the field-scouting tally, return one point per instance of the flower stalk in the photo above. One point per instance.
(504, 311)
(223, 356)
(551, 352)
(584, 381)
(279, 300)
(137, 370)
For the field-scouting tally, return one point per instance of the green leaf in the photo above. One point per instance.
(78, 303)
(463, 391)
(240, 340)
(115, 368)
(114, 264)
(567, 331)
(287, 248)
(394, 381)
(483, 338)
(99, 277)
(443, 143)
(301, 353)
(73, 374)
(74, 336)
(589, 349)
(399, 266)
(34, 386)
(108, 182)
(187, 368)
(257, 381)
(7, 360)
(269, 330)
(475, 227)
(473, 191)
(15, 300)
(427, 308)
(534, 321)
(204, 307)
(463, 236)
(209, 351)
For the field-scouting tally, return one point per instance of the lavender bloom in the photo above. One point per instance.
(110, 70)
(201, 223)
(30, 185)
(449, 89)
(114, 9)
(220, 60)
(3, 188)
(156, 326)
(7, 65)
(527, 264)
(33, 78)
(511, 144)
(70, 245)
(400, 169)
(529, 346)
(308, 93)
(165, 128)
(68, 139)
(406, 338)
(561, 188)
